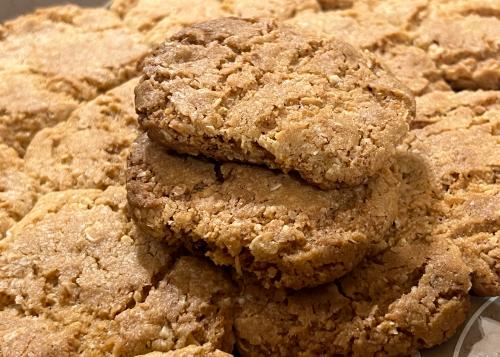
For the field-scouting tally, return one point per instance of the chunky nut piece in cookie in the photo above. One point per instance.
(285, 232)
(81, 51)
(461, 147)
(18, 191)
(29, 104)
(412, 296)
(159, 19)
(90, 149)
(77, 267)
(258, 92)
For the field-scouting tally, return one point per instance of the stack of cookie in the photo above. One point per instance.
(274, 153)
(275, 210)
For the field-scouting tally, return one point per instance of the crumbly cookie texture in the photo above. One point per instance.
(18, 191)
(235, 89)
(284, 231)
(90, 149)
(412, 296)
(190, 351)
(29, 104)
(76, 272)
(81, 51)
(158, 19)
(464, 47)
(465, 159)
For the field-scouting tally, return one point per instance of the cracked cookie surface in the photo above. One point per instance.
(255, 91)
(90, 149)
(284, 231)
(76, 271)
(462, 130)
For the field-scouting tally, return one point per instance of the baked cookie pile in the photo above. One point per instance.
(285, 177)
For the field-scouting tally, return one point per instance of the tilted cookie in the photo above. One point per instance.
(284, 231)
(458, 141)
(259, 92)
(77, 277)
(90, 149)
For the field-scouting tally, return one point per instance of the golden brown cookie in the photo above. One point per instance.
(412, 296)
(28, 104)
(460, 144)
(284, 231)
(18, 191)
(90, 149)
(76, 271)
(234, 89)
(54, 58)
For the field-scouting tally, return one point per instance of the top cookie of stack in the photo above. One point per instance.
(260, 93)
(257, 92)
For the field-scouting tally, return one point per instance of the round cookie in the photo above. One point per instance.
(284, 231)
(75, 271)
(18, 191)
(90, 149)
(413, 296)
(235, 89)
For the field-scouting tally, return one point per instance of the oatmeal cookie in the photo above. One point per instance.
(412, 296)
(18, 191)
(76, 272)
(55, 58)
(258, 92)
(284, 231)
(91, 148)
